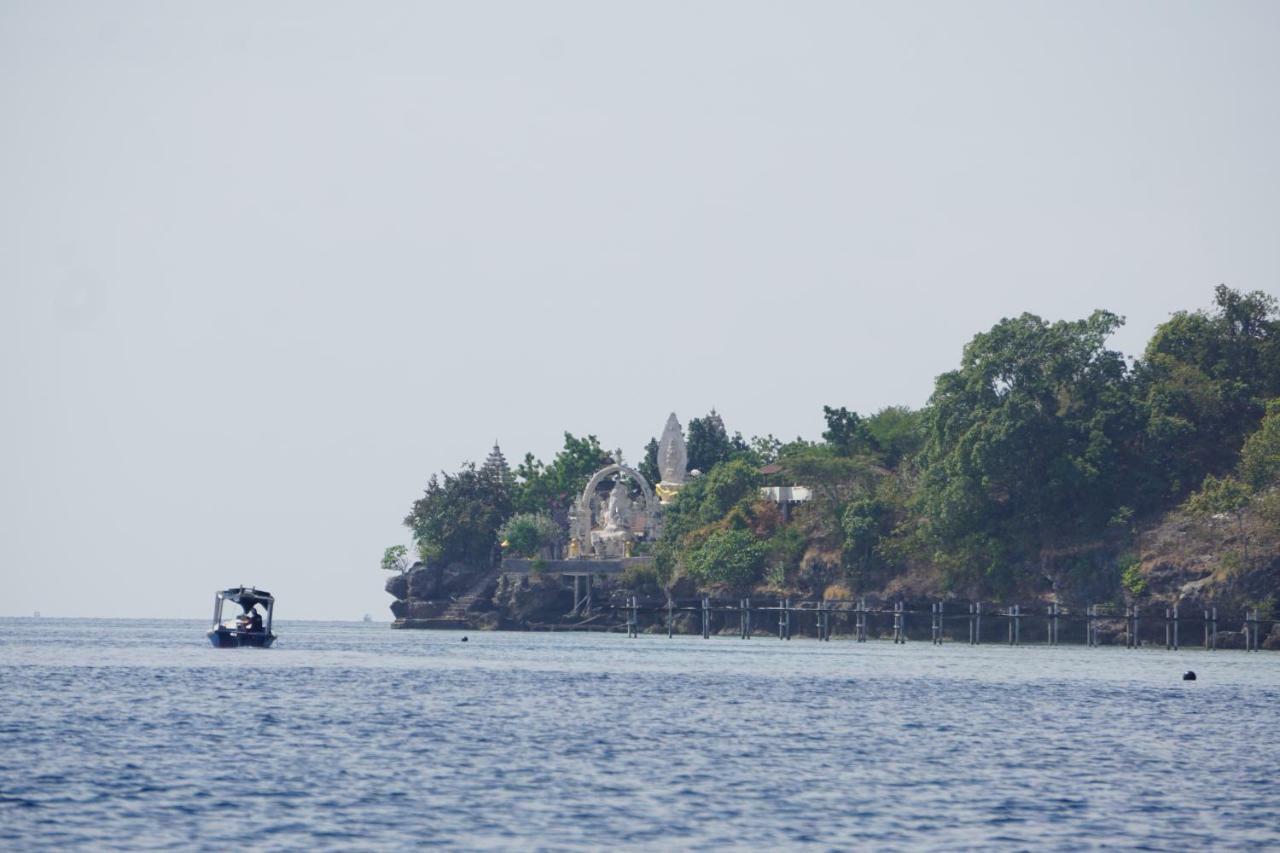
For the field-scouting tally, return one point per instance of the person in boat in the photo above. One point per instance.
(255, 619)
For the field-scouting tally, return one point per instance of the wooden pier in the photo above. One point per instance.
(948, 622)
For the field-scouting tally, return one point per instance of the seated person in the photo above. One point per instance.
(255, 620)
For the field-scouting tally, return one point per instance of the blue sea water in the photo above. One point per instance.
(139, 735)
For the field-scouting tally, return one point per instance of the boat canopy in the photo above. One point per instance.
(247, 597)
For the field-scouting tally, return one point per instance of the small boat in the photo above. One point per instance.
(247, 629)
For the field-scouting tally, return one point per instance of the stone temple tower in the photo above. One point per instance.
(673, 458)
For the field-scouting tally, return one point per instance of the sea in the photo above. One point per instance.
(138, 735)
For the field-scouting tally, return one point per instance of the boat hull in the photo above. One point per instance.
(228, 638)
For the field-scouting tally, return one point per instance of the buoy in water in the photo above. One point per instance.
(464, 639)
(1189, 675)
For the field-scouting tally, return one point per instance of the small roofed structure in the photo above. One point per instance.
(251, 627)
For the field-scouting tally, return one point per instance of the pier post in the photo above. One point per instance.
(860, 620)
(1206, 629)
(1175, 627)
(1009, 613)
(1137, 638)
(1168, 630)
(977, 624)
(1213, 634)
(706, 617)
(671, 616)
(787, 616)
(748, 618)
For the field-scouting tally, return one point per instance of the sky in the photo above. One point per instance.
(266, 267)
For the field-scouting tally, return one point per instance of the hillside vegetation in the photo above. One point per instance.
(1045, 464)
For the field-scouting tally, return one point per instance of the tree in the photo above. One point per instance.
(1206, 377)
(709, 443)
(898, 432)
(734, 558)
(862, 521)
(765, 449)
(528, 534)
(1028, 443)
(553, 488)
(834, 478)
(649, 464)
(1260, 458)
(847, 432)
(458, 517)
(396, 559)
(707, 500)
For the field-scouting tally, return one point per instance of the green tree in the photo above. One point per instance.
(1029, 442)
(1206, 377)
(396, 559)
(709, 443)
(734, 558)
(765, 449)
(649, 464)
(552, 488)
(708, 499)
(847, 432)
(862, 522)
(458, 516)
(898, 432)
(528, 534)
(1260, 458)
(832, 477)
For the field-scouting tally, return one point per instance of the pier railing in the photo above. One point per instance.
(949, 621)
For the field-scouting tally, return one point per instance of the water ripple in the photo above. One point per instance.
(128, 735)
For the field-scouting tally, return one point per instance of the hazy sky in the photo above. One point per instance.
(266, 266)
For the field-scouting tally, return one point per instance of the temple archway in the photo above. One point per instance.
(644, 521)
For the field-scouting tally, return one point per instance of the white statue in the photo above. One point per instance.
(617, 512)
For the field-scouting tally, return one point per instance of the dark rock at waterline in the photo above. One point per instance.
(1189, 675)
(398, 586)
(425, 581)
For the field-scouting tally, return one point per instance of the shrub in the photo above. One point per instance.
(1131, 576)
(526, 534)
(730, 557)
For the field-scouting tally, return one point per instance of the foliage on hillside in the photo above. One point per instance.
(1035, 466)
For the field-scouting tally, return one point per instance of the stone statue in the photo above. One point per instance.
(617, 514)
(673, 458)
